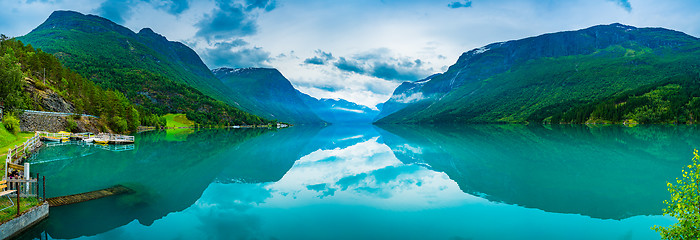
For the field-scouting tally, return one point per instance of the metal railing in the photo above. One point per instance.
(115, 137)
(114, 148)
(56, 114)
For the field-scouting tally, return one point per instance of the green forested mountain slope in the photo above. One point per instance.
(267, 93)
(157, 74)
(31, 79)
(608, 73)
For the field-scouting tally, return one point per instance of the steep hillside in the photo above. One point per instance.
(542, 78)
(31, 79)
(265, 92)
(157, 74)
(339, 111)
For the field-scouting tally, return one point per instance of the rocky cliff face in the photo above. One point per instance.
(46, 123)
(48, 100)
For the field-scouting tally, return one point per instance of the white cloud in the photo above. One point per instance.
(413, 97)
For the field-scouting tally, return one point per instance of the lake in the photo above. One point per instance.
(372, 182)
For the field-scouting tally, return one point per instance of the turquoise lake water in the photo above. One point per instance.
(372, 182)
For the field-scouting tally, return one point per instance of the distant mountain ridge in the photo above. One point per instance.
(553, 77)
(339, 111)
(266, 92)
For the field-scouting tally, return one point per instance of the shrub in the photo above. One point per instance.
(71, 124)
(685, 198)
(11, 124)
(118, 124)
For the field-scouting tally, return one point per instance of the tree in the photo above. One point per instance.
(684, 204)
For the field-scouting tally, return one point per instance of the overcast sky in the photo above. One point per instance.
(355, 50)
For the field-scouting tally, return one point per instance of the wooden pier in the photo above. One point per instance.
(116, 138)
(82, 197)
(106, 138)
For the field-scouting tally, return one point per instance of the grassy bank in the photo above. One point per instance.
(177, 120)
(10, 213)
(9, 140)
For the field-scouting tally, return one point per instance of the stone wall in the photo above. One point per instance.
(34, 122)
(17, 225)
(40, 122)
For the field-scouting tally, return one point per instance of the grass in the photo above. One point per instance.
(10, 213)
(9, 140)
(177, 120)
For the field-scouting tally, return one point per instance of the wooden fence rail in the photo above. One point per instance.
(30, 145)
(25, 188)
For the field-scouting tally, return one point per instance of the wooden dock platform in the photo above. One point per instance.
(82, 197)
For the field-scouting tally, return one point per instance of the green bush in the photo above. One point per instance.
(11, 124)
(71, 124)
(118, 124)
(685, 197)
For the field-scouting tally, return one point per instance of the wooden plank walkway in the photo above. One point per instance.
(82, 197)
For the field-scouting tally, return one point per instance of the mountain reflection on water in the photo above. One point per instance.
(364, 181)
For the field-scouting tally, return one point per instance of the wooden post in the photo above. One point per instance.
(44, 187)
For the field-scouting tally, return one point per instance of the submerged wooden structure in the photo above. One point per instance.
(82, 197)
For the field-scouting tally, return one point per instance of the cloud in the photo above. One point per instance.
(173, 6)
(405, 70)
(268, 5)
(413, 97)
(232, 19)
(382, 63)
(235, 54)
(624, 4)
(314, 61)
(325, 55)
(323, 188)
(321, 58)
(120, 10)
(116, 10)
(458, 4)
(349, 65)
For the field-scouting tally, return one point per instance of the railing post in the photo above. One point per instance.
(27, 176)
(18, 202)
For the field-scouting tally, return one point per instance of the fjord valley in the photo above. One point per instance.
(577, 133)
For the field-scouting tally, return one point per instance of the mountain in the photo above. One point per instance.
(266, 92)
(339, 111)
(605, 73)
(31, 79)
(160, 76)
(404, 95)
